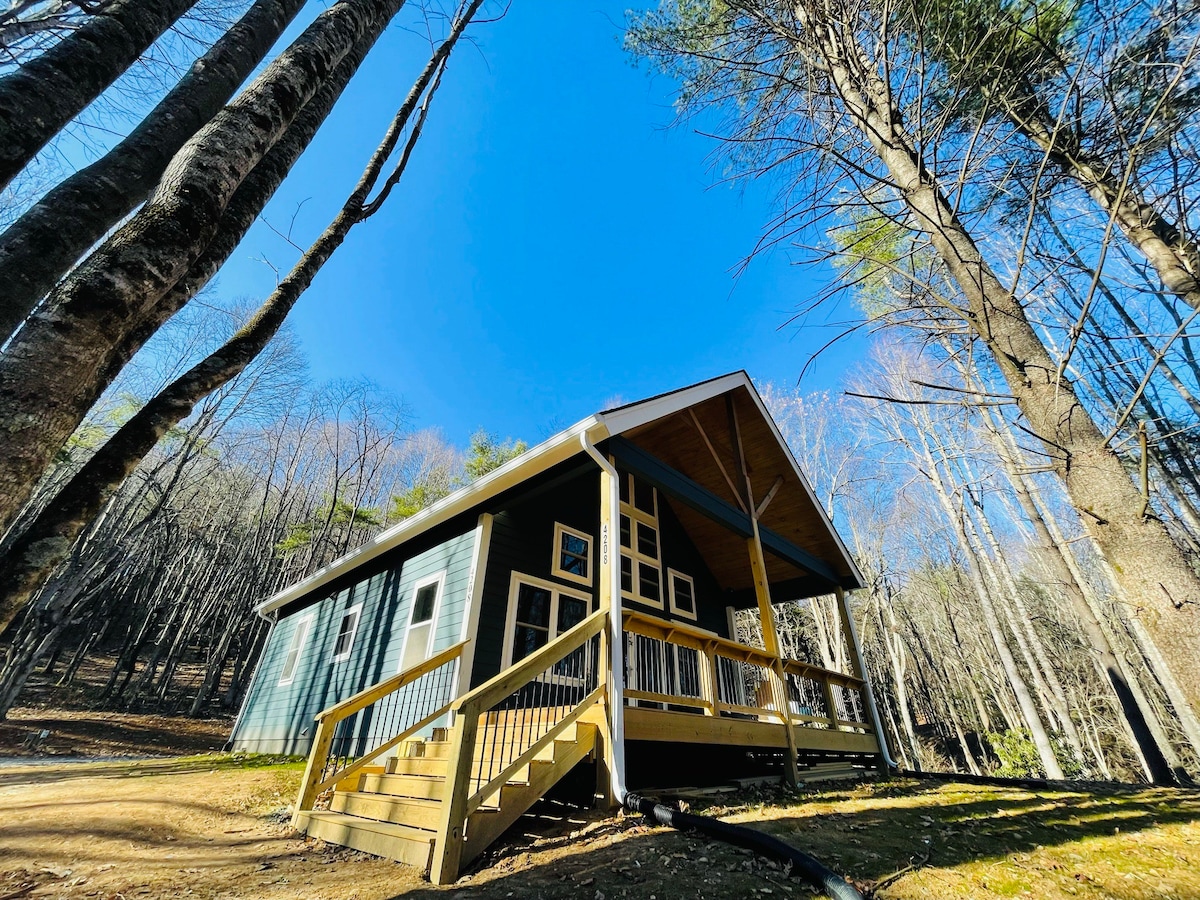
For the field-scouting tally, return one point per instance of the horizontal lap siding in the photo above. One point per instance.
(279, 718)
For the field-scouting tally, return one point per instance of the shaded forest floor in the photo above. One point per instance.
(216, 826)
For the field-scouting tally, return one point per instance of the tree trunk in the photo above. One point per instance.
(1153, 572)
(46, 541)
(70, 350)
(41, 246)
(40, 98)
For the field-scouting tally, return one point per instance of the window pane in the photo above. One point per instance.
(527, 640)
(573, 565)
(647, 541)
(574, 545)
(643, 496)
(683, 595)
(570, 612)
(626, 573)
(423, 605)
(624, 480)
(533, 606)
(625, 538)
(648, 582)
(345, 634)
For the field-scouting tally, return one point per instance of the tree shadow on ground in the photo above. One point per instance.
(875, 836)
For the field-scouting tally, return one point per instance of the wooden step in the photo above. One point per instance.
(486, 744)
(410, 811)
(399, 842)
(353, 781)
(485, 825)
(435, 766)
(422, 787)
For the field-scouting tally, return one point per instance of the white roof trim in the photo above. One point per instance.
(550, 452)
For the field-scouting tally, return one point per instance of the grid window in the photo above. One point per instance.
(641, 550)
(572, 555)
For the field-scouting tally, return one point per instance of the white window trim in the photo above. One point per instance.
(559, 531)
(672, 574)
(439, 579)
(356, 611)
(303, 628)
(556, 590)
(636, 515)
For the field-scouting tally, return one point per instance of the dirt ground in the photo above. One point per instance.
(53, 732)
(216, 826)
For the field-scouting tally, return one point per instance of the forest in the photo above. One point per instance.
(1002, 193)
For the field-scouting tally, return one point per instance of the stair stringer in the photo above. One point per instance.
(485, 825)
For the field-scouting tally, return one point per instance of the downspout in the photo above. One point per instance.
(616, 675)
(880, 735)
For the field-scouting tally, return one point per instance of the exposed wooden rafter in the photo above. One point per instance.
(737, 495)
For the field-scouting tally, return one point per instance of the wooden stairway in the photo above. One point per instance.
(396, 810)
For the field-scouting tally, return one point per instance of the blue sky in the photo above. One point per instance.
(554, 244)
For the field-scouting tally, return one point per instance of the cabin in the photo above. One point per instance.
(570, 613)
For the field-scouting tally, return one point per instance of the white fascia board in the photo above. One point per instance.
(625, 418)
(550, 452)
(762, 408)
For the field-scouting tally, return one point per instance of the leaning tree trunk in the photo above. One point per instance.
(41, 246)
(41, 97)
(69, 351)
(1153, 572)
(46, 541)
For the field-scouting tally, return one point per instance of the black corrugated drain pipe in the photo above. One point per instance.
(811, 869)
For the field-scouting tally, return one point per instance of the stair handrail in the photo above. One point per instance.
(460, 799)
(315, 781)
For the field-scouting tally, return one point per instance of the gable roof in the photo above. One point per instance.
(628, 419)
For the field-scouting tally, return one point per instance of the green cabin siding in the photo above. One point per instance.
(279, 718)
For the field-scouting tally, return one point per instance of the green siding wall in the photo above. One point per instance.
(279, 718)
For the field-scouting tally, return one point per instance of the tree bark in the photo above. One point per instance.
(69, 350)
(47, 540)
(1150, 567)
(40, 98)
(41, 246)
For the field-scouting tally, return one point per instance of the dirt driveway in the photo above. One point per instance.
(212, 827)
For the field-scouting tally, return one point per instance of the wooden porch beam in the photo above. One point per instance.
(737, 495)
(762, 506)
(679, 487)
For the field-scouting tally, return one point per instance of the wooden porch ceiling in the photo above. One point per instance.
(699, 443)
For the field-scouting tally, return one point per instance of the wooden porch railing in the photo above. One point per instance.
(359, 729)
(687, 668)
(523, 709)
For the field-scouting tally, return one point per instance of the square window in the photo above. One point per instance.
(626, 574)
(647, 540)
(572, 554)
(682, 594)
(643, 496)
(648, 586)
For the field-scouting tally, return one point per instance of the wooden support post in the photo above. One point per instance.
(766, 613)
(448, 847)
(710, 685)
(314, 771)
(860, 672)
(609, 544)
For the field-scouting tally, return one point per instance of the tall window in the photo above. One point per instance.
(346, 632)
(641, 554)
(291, 662)
(572, 554)
(538, 612)
(418, 642)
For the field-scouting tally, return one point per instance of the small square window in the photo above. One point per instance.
(682, 594)
(346, 632)
(572, 554)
